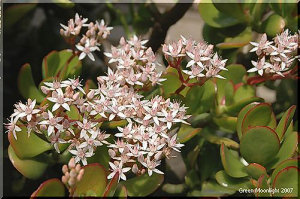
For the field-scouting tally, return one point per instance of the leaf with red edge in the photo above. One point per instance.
(28, 146)
(235, 108)
(32, 168)
(27, 86)
(285, 122)
(259, 115)
(232, 165)
(143, 185)
(256, 170)
(94, 179)
(263, 185)
(284, 164)
(259, 145)
(112, 186)
(287, 150)
(186, 132)
(287, 178)
(50, 188)
(121, 192)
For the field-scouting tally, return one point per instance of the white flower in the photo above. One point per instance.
(117, 169)
(151, 166)
(12, 127)
(172, 143)
(86, 126)
(87, 50)
(60, 101)
(81, 155)
(52, 122)
(259, 66)
(25, 110)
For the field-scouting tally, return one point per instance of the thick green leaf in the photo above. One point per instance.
(50, 188)
(282, 165)
(121, 191)
(27, 86)
(101, 156)
(235, 108)
(238, 41)
(74, 113)
(94, 179)
(232, 165)
(259, 145)
(114, 124)
(273, 25)
(243, 92)
(16, 12)
(256, 170)
(211, 189)
(186, 132)
(143, 185)
(234, 9)
(174, 188)
(218, 140)
(212, 35)
(214, 17)
(287, 178)
(285, 121)
(200, 99)
(227, 124)
(259, 115)
(287, 149)
(28, 146)
(232, 183)
(30, 168)
(262, 183)
(111, 186)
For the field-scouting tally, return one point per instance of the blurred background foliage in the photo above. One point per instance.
(31, 31)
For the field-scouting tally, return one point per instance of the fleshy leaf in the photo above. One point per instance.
(50, 188)
(218, 140)
(243, 92)
(32, 168)
(111, 186)
(94, 178)
(186, 132)
(256, 170)
(233, 183)
(234, 9)
(259, 115)
(143, 185)
(27, 86)
(121, 192)
(259, 145)
(113, 124)
(232, 165)
(74, 113)
(100, 156)
(28, 146)
(16, 12)
(286, 150)
(285, 121)
(214, 17)
(273, 25)
(227, 124)
(287, 178)
(211, 189)
(262, 184)
(238, 41)
(235, 108)
(174, 188)
(282, 165)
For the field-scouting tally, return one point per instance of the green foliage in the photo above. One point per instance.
(50, 188)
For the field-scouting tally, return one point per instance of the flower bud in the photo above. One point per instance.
(65, 169)
(79, 177)
(135, 169)
(77, 168)
(90, 95)
(45, 90)
(71, 163)
(73, 173)
(111, 153)
(64, 179)
(72, 182)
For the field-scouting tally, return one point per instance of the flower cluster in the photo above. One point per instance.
(203, 62)
(135, 63)
(275, 56)
(72, 174)
(92, 38)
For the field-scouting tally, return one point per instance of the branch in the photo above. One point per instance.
(162, 24)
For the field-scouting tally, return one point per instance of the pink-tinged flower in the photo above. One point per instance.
(170, 118)
(59, 100)
(55, 85)
(262, 45)
(172, 143)
(87, 50)
(151, 166)
(136, 42)
(52, 122)
(119, 145)
(81, 154)
(74, 83)
(259, 66)
(116, 110)
(117, 168)
(56, 140)
(86, 126)
(195, 71)
(12, 127)
(174, 49)
(104, 31)
(25, 110)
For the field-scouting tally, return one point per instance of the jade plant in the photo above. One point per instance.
(268, 157)
(112, 137)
